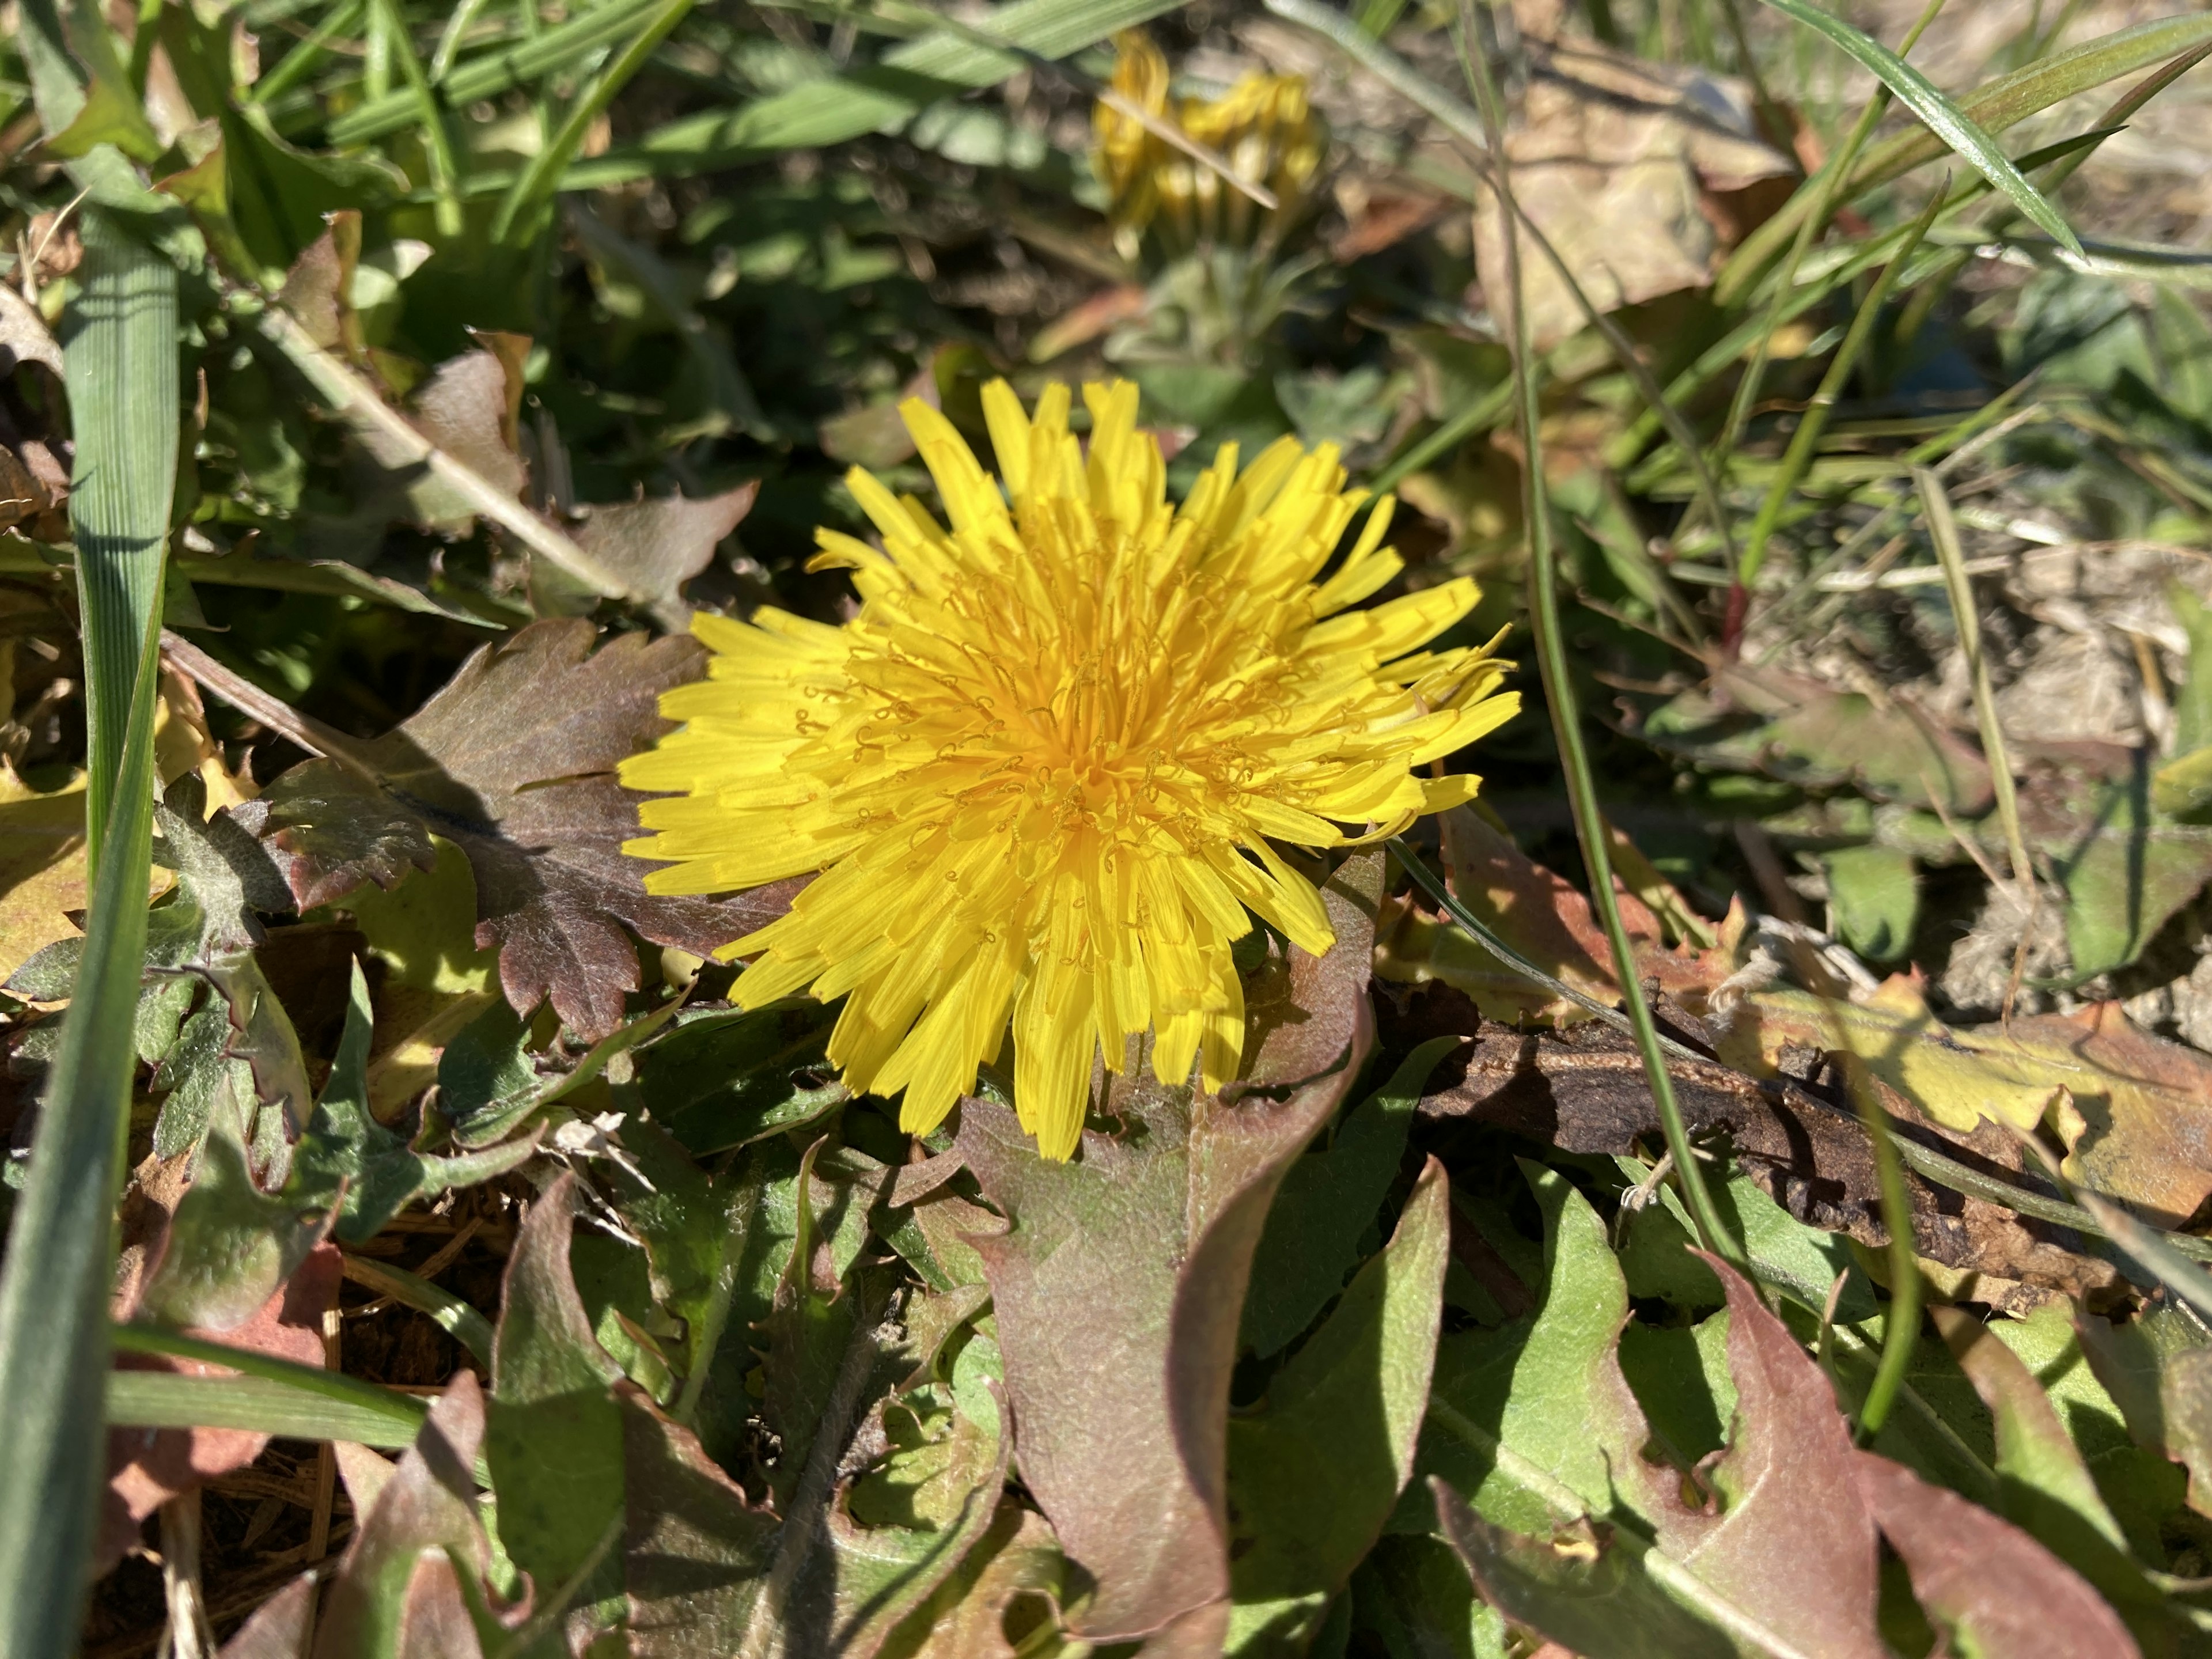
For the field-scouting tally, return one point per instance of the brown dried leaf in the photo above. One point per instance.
(655, 546)
(1612, 159)
(148, 1466)
(514, 761)
(1584, 1090)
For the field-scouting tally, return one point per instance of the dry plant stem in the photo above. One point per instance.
(354, 399)
(326, 1464)
(273, 712)
(1944, 531)
(1901, 1326)
(189, 1635)
(1566, 724)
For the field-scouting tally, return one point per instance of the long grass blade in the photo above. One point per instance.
(163, 1399)
(438, 144)
(2004, 102)
(61, 1252)
(523, 209)
(1823, 186)
(1943, 117)
(121, 361)
(492, 73)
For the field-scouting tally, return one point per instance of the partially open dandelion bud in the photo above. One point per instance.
(1042, 769)
(1264, 128)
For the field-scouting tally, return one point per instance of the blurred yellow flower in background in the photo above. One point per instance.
(1042, 769)
(1264, 128)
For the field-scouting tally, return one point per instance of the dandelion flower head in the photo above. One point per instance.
(1041, 771)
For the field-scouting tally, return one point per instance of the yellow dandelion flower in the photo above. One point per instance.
(1042, 770)
(1264, 127)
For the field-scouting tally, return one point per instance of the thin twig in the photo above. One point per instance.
(402, 445)
(1944, 531)
(271, 710)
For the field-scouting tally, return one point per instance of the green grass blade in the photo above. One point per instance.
(868, 100)
(2004, 102)
(522, 214)
(55, 1284)
(122, 374)
(1814, 421)
(487, 75)
(1942, 118)
(307, 1389)
(444, 181)
(162, 1399)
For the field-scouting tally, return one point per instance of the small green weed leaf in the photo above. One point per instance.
(1547, 1385)
(809, 1327)
(1874, 894)
(1804, 733)
(2126, 869)
(419, 1553)
(228, 874)
(110, 116)
(1997, 1588)
(487, 1079)
(2158, 1369)
(729, 1077)
(901, 1530)
(1802, 1261)
(2137, 1483)
(695, 1550)
(380, 1173)
(201, 1077)
(1943, 117)
(1314, 1473)
(1414, 1592)
(682, 1217)
(230, 1244)
(1327, 1201)
(554, 1437)
(1680, 1377)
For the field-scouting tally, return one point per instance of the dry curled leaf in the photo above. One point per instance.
(514, 762)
